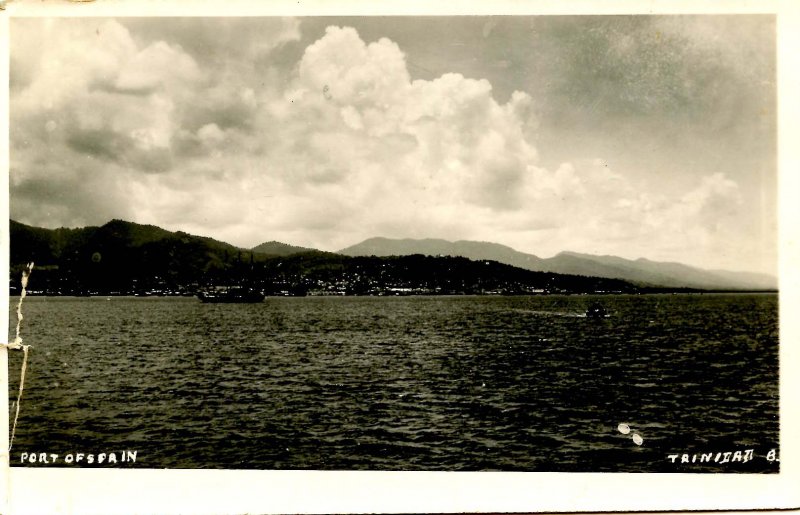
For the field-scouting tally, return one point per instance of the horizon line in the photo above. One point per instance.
(339, 251)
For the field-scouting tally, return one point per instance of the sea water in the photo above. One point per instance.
(458, 383)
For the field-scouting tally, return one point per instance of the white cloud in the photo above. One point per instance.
(210, 134)
(156, 66)
(349, 148)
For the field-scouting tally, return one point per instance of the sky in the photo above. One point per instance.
(635, 136)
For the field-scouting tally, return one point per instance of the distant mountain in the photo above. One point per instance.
(645, 271)
(127, 257)
(475, 250)
(123, 258)
(276, 248)
(640, 271)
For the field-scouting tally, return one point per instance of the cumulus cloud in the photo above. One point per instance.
(345, 146)
(109, 108)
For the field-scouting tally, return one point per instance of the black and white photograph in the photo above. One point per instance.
(407, 243)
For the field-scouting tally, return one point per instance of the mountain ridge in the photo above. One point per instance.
(641, 271)
(123, 258)
(187, 255)
(277, 248)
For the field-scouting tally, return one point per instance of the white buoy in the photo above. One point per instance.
(638, 440)
(624, 428)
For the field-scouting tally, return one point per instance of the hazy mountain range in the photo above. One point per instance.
(123, 258)
(152, 250)
(640, 271)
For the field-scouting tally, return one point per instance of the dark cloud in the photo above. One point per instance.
(152, 160)
(220, 106)
(19, 76)
(54, 200)
(106, 86)
(102, 143)
(109, 145)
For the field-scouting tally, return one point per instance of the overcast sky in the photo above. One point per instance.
(633, 136)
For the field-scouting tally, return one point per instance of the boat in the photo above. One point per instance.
(596, 310)
(231, 296)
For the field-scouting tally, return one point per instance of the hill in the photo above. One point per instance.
(126, 258)
(645, 271)
(119, 255)
(276, 248)
(641, 271)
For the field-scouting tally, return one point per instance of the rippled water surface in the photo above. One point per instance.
(409, 383)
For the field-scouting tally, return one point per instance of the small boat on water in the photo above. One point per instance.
(231, 296)
(596, 310)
